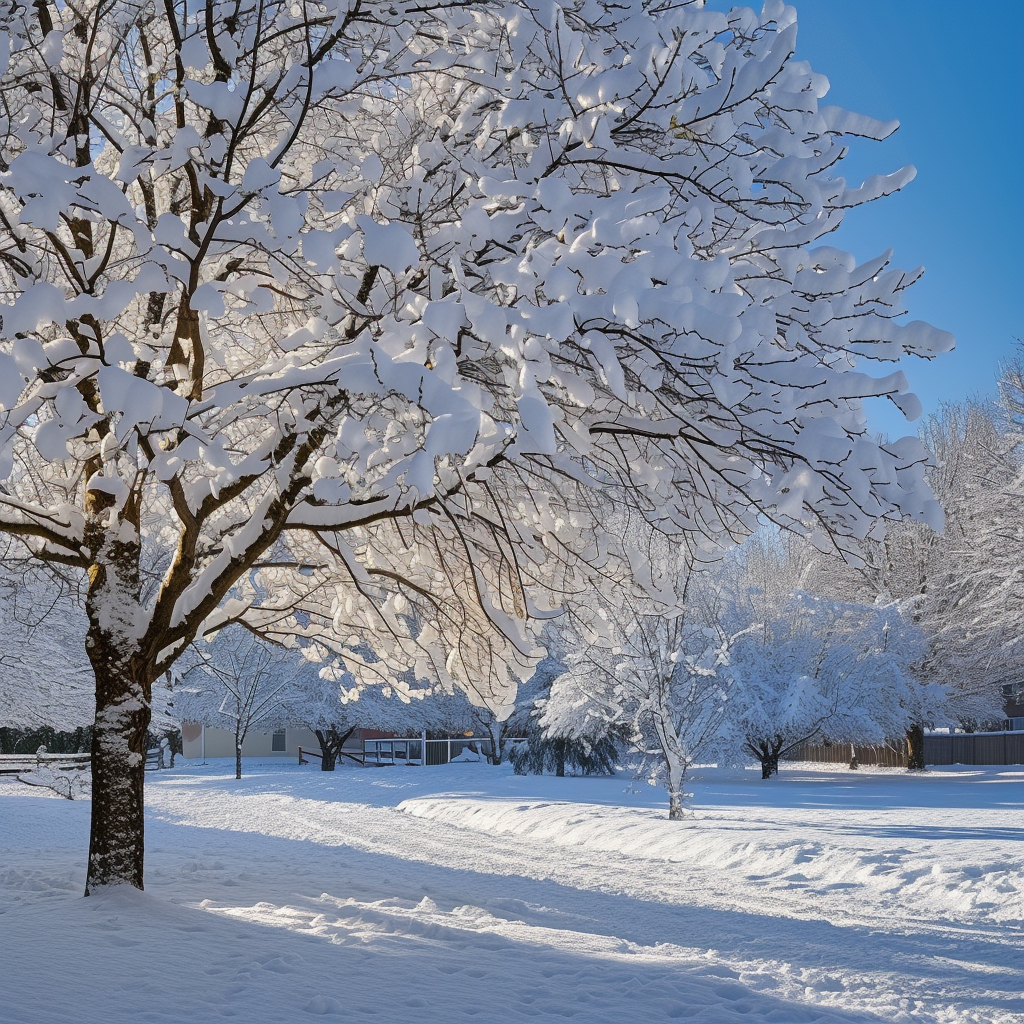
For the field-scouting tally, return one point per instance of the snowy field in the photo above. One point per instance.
(464, 892)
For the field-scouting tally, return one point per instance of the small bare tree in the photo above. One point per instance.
(242, 681)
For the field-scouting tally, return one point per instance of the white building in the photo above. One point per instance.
(199, 742)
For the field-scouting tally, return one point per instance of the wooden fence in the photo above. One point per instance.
(975, 748)
(842, 753)
(22, 764)
(939, 748)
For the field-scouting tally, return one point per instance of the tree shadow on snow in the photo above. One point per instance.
(628, 930)
(143, 960)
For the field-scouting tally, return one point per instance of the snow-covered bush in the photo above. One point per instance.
(558, 730)
(541, 753)
(70, 783)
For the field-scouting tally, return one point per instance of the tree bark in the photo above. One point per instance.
(117, 832)
(915, 748)
(770, 758)
(675, 805)
(768, 752)
(674, 784)
(238, 756)
(331, 744)
(497, 730)
(124, 685)
(328, 752)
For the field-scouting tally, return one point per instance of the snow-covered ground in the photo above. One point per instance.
(464, 892)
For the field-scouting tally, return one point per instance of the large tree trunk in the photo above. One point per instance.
(332, 741)
(117, 833)
(124, 683)
(238, 756)
(768, 751)
(915, 748)
(768, 754)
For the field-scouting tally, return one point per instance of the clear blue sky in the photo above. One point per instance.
(952, 73)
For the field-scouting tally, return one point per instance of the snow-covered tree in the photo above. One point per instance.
(331, 703)
(318, 706)
(653, 666)
(522, 721)
(977, 462)
(1011, 391)
(44, 675)
(961, 587)
(376, 292)
(992, 571)
(583, 743)
(563, 726)
(816, 655)
(813, 668)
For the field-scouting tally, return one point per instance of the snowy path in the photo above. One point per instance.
(464, 893)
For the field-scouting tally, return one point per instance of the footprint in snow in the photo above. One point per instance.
(278, 965)
(323, 1005)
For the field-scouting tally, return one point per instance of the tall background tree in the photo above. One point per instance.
(347, 308)
(960, 587)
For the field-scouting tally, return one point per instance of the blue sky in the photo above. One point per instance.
(953, 75)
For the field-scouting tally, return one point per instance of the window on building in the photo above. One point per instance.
(279, 741)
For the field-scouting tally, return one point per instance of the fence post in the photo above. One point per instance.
(423, 749)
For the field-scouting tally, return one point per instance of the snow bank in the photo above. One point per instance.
(887, 855)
